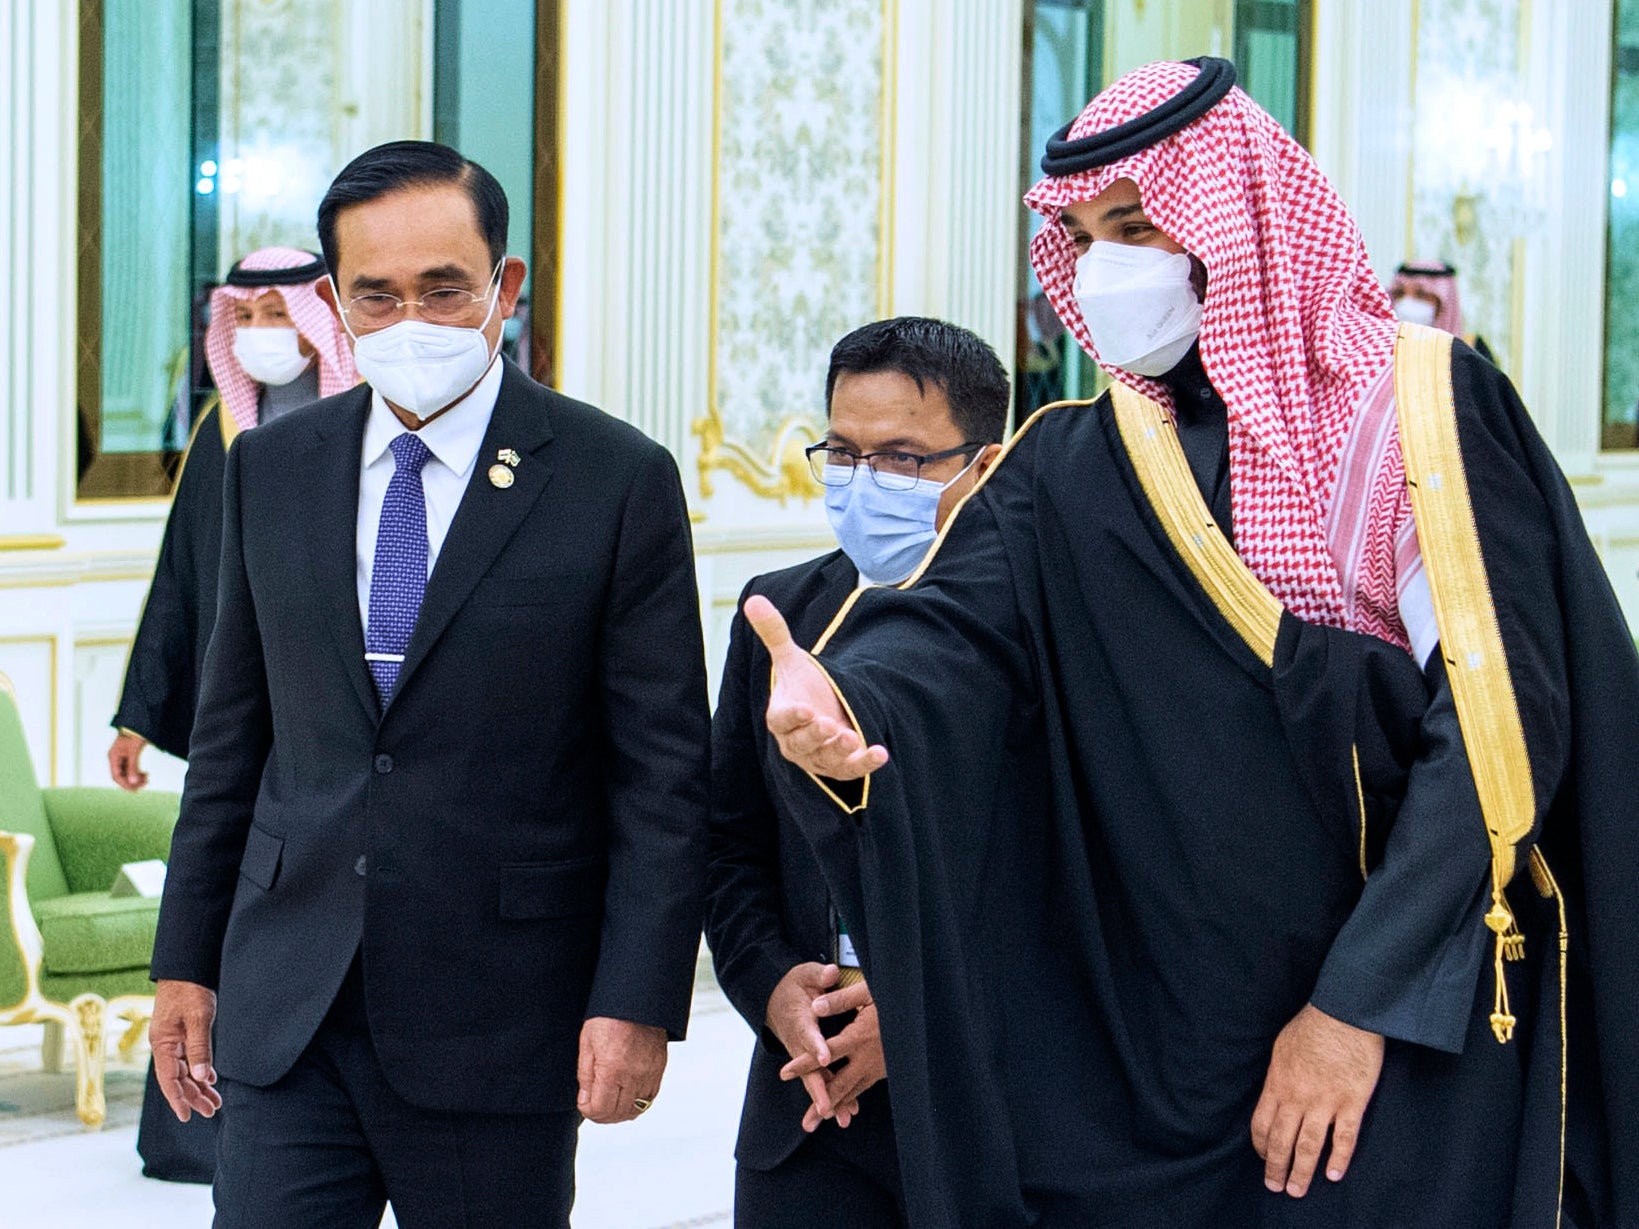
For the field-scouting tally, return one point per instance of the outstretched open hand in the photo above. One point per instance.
(804, 713)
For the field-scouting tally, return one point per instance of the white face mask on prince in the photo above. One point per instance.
(1140, 305)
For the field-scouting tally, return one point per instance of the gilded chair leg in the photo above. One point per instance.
(135, 1010)
(51, 1048)
(136, 1028)
(91, 1036)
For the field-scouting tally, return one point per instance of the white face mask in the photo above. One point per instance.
(1139, 304)
(269, 356)
(1414, 311)
(423, 367)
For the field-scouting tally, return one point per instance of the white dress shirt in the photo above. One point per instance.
(453, 438)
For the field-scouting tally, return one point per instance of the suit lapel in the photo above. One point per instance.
(332, 477)
(488, 515)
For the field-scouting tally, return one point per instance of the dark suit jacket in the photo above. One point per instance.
(767, 907)
(518, 841)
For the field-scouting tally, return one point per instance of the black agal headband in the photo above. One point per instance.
(259, 278)
(1437, 269)
(1067, 157)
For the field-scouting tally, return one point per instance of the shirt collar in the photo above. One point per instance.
(454, 437)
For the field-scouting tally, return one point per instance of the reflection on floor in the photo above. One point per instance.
(672, 1169)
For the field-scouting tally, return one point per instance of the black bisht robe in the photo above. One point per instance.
(168, 654)
(1114, 854)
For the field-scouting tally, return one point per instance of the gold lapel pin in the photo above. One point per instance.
(509, 455)
(500, 476)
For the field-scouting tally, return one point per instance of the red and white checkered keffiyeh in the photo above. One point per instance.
(1296, 331)
(312, 318)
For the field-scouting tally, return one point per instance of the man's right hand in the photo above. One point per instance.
(124, 761)
(792, 1019)
(804, 713)
(180, 1037)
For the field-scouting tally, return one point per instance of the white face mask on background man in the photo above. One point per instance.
(423, 367)
(1140, 305)
(1414, 310)
(270, 355)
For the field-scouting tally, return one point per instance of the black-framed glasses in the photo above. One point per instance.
(892, 471)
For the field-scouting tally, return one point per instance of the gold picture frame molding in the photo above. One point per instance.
(110, 477)
(146, 478)
(546, 241)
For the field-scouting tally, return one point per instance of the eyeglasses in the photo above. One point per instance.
(445, 305)
(892, 471)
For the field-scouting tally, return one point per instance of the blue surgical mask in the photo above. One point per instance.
(886, 533)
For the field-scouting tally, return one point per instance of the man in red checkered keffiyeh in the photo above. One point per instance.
(278, 283)
(1295, 329)
(1155, 793)
(272, 345)
(1426, 293)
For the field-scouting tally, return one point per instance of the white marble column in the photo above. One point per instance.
(957, 208)
(636, 225)
(1360, 109)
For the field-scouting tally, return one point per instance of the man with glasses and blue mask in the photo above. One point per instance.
(436, 883)
(916, 412)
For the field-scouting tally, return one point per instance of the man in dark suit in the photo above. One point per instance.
(437, 875)
(917, 410)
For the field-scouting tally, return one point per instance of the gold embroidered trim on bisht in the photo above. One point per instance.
(230, 424)
(1548, 887)
(1360, 794)
(851, 808)
(1151, 440)
(213, 405)
(1470, 637)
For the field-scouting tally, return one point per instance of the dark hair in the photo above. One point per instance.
(413, 164)
(936, 352)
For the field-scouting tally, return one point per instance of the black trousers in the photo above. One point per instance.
(331, 1143)
(829, 1182)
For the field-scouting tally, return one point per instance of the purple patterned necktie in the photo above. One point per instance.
(399, 580)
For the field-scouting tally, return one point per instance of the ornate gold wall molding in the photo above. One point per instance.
(782, 474)
(776, 342)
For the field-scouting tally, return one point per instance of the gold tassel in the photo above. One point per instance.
(1502, 1019)
(1510, 942)
(1510, 946)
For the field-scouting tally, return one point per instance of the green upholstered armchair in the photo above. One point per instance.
(71, 956)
